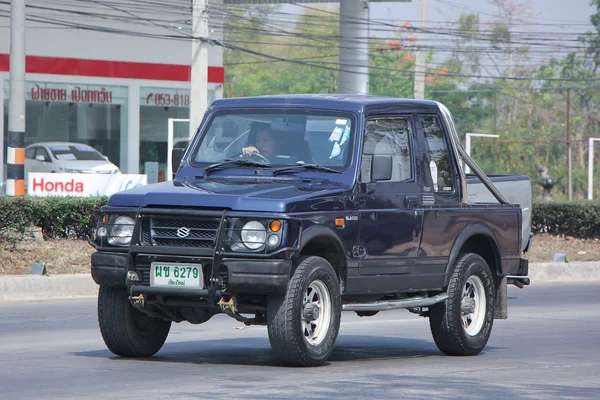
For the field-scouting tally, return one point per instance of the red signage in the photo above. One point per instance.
(77, 95)
(167, 99)
(49, 186)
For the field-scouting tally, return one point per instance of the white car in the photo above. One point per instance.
(63, 157)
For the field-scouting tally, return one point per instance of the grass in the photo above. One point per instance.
(60, 256)
(544, 247)
(73, 256)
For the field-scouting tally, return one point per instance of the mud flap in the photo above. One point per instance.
(501, 308)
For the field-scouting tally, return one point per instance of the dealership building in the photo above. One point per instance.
(112, 74)
(115, 92)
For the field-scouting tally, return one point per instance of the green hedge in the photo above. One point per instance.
(571, 218)
(59, 217)
(72, 217)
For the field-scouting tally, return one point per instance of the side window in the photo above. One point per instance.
(43, 152)
(388, 136)
(438, 156)
(30, 153)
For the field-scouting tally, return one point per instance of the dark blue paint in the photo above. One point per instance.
(389, 244)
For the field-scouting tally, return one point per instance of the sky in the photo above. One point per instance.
(547, 20)
(543, 11)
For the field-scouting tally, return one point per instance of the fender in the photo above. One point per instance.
(462, 238)
(316, 231)
(321, 230)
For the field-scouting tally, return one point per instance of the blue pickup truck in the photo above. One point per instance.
(287, 210)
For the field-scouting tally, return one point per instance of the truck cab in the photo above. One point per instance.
(288, 210)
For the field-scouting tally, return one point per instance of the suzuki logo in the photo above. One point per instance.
(183, 232)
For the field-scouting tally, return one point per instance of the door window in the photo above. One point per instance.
(30, 153)
(388, 136)
(438, 155)
(41, 151)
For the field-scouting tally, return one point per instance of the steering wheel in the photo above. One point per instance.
(260, 157)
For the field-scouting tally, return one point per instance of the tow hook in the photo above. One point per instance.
(139, 302)
(229, 307)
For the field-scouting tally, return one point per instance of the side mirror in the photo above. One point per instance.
(40, 157)
(176, 157)
(381, 168)
(105, 157)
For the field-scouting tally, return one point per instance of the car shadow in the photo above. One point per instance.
(257, 351)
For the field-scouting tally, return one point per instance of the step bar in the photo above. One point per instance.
(396, 304)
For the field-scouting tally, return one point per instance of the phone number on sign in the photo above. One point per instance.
(159, 99)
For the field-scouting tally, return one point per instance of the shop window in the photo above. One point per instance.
(157, 106)
(86, 114)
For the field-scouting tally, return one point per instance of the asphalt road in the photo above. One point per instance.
(548, 348)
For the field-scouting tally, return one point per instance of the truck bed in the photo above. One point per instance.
(515, 188)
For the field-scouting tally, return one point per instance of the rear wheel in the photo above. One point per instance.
(126, 331)
(461, 326)
(304, 323)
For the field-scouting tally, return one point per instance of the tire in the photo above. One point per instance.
(295, 339)
(456, 330)
(126, 331)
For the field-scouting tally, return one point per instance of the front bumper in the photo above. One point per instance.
(250, 276)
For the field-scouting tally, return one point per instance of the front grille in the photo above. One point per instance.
(180, 232)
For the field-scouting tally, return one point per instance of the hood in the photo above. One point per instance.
(88, 165)
(248, 195)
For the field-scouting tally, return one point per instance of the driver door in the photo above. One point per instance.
(391, 217)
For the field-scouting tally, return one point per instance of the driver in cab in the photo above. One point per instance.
(266, 144)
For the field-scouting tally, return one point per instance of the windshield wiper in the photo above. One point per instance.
(314, 167)
(237, 161)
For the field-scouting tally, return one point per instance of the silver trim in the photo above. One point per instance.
(395, 304)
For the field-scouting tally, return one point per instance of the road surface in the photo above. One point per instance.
(548, 348)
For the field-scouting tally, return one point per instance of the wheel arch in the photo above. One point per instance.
(478, 239)
(322, 241)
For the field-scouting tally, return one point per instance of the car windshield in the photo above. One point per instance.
(75, 152)
(278, 138)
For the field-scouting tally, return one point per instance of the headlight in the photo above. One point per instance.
(71, 170)
(254, 235)
(121, 231)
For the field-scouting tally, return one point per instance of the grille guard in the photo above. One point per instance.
(217, 253)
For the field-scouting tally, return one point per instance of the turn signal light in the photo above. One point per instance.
(339, 222)
(275, 226)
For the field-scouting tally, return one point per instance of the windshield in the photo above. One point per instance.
(278, 138)
(76, 152)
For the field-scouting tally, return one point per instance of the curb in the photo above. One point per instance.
(78, 286)
(55, 287)
(564, 272)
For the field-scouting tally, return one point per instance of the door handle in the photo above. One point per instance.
(411, 201)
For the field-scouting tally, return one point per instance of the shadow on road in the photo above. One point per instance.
(257, 351)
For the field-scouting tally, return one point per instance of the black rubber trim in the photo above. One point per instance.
(109, 269)
(258, 276)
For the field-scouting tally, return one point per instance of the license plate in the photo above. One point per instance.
(176, 275)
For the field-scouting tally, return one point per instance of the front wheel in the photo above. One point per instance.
(304, 323)
(126, 331)
(461, 326)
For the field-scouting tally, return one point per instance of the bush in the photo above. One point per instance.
(571, 218)
(59, 217)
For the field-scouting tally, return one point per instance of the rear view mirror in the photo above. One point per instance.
(176, 157)
(381, 168)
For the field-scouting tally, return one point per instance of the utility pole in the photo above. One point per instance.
(569, 182)
(199, 64)
(15, 160)
(419, 93)
(354, 47)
